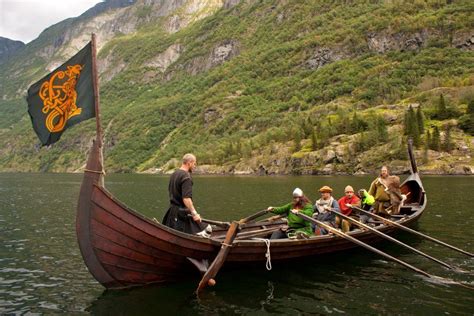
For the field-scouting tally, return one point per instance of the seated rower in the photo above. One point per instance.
(367, 202)
(321, 210)
(297, 227)
(345, 204)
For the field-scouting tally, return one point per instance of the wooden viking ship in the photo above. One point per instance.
(123, 248)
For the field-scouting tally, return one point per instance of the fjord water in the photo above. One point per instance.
(42, 272)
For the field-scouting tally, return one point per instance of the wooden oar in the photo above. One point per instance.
(243, 235)
(208, 277)
(356, 222)
(389, 222)
(271, 219)
(212, 222)
(362, 244)
(249, 219)
(257, 233)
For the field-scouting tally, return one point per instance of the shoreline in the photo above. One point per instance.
(223, 174)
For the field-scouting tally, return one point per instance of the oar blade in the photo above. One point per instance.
(220, 258)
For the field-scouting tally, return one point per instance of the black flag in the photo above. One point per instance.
(63, 98)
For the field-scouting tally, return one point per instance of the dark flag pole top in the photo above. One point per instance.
(66, 96)
(95, 85)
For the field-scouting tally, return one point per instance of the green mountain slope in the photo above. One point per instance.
(269, 87)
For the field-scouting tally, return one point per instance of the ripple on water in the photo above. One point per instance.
(19, 270)
(48, 305)
(10, 281)
(37, 285)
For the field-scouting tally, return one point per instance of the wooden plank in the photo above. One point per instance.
(155, 241)
(164, 260)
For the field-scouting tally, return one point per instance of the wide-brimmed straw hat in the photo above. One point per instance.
(325, 189)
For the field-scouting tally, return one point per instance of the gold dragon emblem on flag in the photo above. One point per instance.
(59, 98)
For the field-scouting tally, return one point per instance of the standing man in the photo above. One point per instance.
(180, 191)
(378, 189)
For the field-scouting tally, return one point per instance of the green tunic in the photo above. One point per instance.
(294, 222)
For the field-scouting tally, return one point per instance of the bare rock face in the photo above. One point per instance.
(175, 23)
(230, 3)
(382, 42)
(110, 66)
(189, 12)
(219, 54)
(464, 41)
(121, 19)
(210, 116)
(329, 156)
(163, 60)
(323, 56)
(8, 47)
(223, 53)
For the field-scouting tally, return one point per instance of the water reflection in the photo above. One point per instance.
(353, 283)
(42, 271)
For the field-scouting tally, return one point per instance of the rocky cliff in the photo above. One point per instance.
(8, 47)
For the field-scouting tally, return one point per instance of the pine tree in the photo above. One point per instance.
(238, 149)
(447, 144)
(381, 128)
(470, 107)
(307, 127)
(420, 121)
(428, 138)
(314, 141)
(442, 111)
(297, 141)
(435, 140)
(406, 123)
(466, 121)
(357, 124)
(323, 135)
(426, 147)
(412, 127)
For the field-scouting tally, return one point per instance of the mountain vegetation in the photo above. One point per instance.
(266, 87)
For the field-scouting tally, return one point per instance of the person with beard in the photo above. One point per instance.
(297, 227)
(395, 194)
(378, 189)
(180, 191)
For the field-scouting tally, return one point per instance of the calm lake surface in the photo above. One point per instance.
(42, 272)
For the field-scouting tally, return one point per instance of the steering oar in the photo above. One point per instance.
(208, 277)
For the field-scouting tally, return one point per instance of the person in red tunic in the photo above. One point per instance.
(345, 204)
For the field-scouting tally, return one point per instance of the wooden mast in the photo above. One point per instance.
(95, 84)
(93, 176)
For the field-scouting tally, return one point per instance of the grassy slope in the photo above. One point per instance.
(263, 95)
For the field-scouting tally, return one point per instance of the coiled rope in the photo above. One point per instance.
(268, 265)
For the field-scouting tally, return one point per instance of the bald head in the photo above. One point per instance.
(189, 162)
(188, 158)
